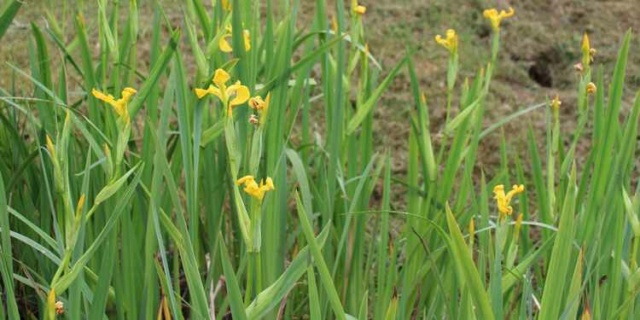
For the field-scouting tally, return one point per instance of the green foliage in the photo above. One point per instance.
(189, 200)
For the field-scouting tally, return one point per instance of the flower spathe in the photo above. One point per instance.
(51, 147)
(120, 105)
(231, 96)
(253, 189)
(450, 42)
(588, 53)
(496, 17)
(503, 200)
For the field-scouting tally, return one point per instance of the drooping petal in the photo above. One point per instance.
(104, 97)
(507, 14)
(200, 93)
(245, 179)
(224, 45)
(241, 94)
(211, 90)
(514, 191)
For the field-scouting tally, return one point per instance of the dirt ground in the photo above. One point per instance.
(540, 45)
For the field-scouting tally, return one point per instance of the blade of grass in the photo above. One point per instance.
(468, 271)
(10, 11)
(319, 261)
(7, 256)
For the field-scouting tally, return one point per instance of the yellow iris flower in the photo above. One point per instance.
(450, 42)
(120, 105)
(253, 189)
(219, 89)
(496, 17)
(503, 200)
(224, 45)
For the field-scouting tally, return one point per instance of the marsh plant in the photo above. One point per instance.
(232, 169)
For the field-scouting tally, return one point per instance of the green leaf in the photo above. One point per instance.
(157, 71)
(123, 202)
(233, 288)
(6, 256)
(7, 16)
(368, 105)
(469, 272)
(553, 294)
(113, 187)
(321, 265)
(271, 296)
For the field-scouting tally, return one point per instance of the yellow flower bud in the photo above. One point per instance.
(359, 10)
(555, 103)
